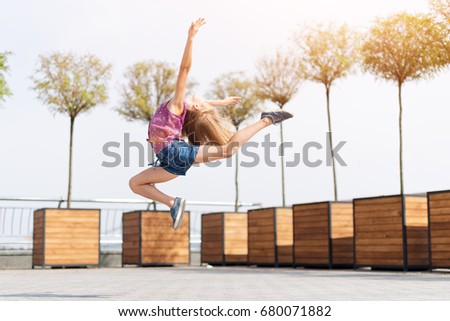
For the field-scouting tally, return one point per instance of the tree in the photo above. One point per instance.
(149, 84)
(4, 89)
(278, 79)
(237, 84)
(71, 85)
(327, 54)
(401, 48)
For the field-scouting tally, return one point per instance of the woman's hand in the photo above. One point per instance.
(195, 26)
(231, 100)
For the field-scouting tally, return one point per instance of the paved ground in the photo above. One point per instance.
(220, 283)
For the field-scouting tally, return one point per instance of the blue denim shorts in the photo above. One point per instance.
(178, 157)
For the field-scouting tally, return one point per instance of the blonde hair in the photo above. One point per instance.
(205, 127)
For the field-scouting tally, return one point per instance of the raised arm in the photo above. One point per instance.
(176, 104)
(231, 100)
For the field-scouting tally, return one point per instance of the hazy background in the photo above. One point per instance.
(34, 142)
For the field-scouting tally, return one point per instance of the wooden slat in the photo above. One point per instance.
(231, 258)
(441, 262)
(381, 256)
(442, 240)
(439, 211)
(164, 259)
(377, 221)
(310, 207)
(212, 259)
(380, 234)
(378, 200)
(312, 260)
(379, 262)
(441, 255)
(261, 252)
(377, 228)
(165, 252)
(443, 195)
(63, 260)
(440, 204)
(435, 226)
(378, 248)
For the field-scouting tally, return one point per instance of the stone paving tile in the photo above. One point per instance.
(220, 283)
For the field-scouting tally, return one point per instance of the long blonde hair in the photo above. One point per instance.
(205, 127)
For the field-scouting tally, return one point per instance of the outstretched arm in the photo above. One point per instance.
(232, 100)
(176, 104)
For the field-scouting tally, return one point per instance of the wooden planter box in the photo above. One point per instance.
(149, 239)
(439, 229)
(391, 232)
(323, 234)
(66, 237)
(224, 238)
(270, 236)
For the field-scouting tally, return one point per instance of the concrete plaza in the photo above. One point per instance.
(220, 283)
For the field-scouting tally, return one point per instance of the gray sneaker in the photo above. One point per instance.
(177, 211)
(277, 116)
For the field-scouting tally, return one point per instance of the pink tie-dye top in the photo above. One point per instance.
(165, 126)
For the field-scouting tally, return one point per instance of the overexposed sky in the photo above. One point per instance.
(34, 143)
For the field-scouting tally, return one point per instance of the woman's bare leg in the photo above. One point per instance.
(208, 153)
(143, 184)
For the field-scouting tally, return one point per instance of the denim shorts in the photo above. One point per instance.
(178, 157)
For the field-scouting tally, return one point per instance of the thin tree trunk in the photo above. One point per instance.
(236, 184)
(282, 165)
(330, 137)
(400, 135)
(69, 190)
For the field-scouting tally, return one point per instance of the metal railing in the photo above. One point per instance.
(16, 221)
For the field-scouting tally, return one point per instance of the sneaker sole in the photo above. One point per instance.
(180, 213)
(288, 112)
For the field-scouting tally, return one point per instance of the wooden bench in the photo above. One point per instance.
(323, 234)
(270, 237)
(66, 237)
(224, 238)
(391, 232)
(149, 239)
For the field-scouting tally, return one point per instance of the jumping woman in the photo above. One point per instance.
(208, 136)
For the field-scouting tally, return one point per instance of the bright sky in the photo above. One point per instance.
(34, 143)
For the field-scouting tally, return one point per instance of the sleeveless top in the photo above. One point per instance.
(165, 126)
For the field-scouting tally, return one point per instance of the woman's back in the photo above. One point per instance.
(165, 126)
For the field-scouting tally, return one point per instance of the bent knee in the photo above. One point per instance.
(133, 184)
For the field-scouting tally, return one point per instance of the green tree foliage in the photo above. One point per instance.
(278, 79)
(148, 85)
(237, 84)
(71, 85)
(327, 53)
(401, 48)
(4, 89)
